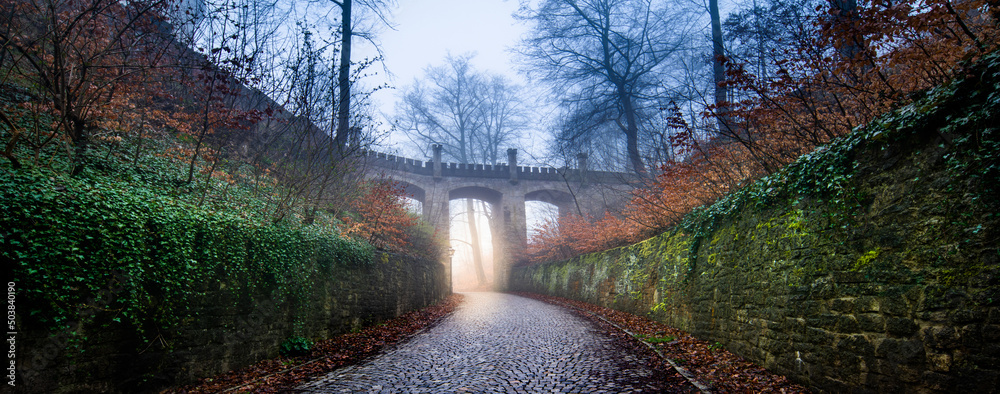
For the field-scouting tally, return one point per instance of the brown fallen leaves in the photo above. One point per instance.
(722, 371)
(283, 374)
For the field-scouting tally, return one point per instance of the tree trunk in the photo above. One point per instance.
(15, 133)
(344, 78)
(631, 130)
(845, 13)
(477, 254)
(719, 72)
(80, 142)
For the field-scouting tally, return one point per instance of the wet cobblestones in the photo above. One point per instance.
(500, 343)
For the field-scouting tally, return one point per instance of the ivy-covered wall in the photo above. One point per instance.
(226, 329)
(870, 265)
(121, 287)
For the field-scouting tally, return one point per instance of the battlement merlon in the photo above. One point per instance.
(514, 173)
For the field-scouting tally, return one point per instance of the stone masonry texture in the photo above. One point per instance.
(893, 288)
(230, 333)
(500, 343)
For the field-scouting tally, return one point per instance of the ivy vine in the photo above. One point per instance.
(962, 113)
(82, 246)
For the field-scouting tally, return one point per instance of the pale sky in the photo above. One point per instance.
(427, 30)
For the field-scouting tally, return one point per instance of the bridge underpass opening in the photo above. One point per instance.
(545, 207)
(413, 197)
(538, 214)
(471, 235)
(413, 205)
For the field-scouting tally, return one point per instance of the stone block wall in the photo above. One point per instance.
(896, 290)
(228, 331)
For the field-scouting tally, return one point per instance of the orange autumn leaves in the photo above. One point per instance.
(660, 204)
(850, 68)
(379, 215)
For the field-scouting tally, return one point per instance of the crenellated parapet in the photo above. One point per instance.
(498, 171)
(505, 187)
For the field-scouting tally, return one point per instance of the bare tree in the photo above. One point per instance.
(300, 143)
(503, 118)
(719, 70)
(471, 114)
(604, 57)
(347, 33)
(448, 112)
(81, 58)
(764, 33)
(229, 47)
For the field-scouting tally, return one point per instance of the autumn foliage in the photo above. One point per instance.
(96, 85)
(85, 60)
(853, 67)
(842, 70)
(380, 216)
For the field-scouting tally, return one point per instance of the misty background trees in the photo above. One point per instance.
(474, 116)
(698, 97)
(606, 60)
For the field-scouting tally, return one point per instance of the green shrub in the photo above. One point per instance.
(296, 346)
(96, 245)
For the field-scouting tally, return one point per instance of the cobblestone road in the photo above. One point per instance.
(500, 343)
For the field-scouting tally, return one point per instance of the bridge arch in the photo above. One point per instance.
(487, 194)
(412, 191)
(505, 186)
(563, 200)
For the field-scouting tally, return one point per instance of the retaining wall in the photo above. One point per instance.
(227, 332)
(887, 283)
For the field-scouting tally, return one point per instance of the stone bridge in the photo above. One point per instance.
(506, 187)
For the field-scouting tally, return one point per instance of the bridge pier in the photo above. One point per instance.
(509, 237)
(506, 187)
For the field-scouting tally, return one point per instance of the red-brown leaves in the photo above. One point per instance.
(573, 235)
(283, 374)
(379, 216)
(712, 365)
(852, 67)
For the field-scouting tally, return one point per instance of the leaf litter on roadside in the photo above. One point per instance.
(283, 374)
(721, 370)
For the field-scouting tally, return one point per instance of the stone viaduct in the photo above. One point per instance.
(506, 187)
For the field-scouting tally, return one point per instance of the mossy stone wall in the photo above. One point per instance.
(888, 280)
(227, 330)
